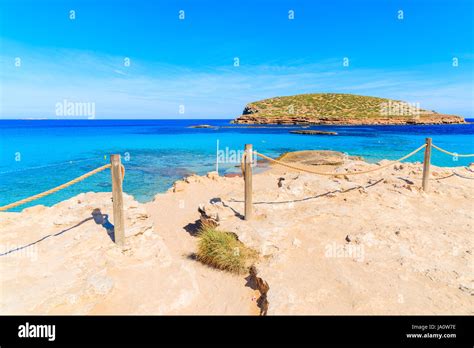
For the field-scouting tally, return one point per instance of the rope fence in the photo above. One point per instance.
(53, 190)
(341, 173)
(118, 174)
(48, 166)
(247, 168)
(452, 153)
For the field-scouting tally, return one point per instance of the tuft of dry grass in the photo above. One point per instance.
(224, 251)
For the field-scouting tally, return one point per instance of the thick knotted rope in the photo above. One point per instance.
(335, 173)
(451, 153)
(58, 188)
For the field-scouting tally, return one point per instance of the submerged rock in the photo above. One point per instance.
(317, 157)
(313, 132)
(202, 126)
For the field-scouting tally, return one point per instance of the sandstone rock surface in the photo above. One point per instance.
(367, 244)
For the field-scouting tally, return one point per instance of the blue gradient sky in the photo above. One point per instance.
(190, 62)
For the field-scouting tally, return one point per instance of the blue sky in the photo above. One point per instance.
(190, 62)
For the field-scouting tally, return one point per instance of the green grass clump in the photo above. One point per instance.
(224, 251)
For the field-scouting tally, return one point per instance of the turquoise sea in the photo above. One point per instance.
(36, 155)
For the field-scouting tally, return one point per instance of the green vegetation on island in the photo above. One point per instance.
(335, 108)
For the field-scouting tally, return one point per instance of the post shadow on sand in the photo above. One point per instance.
(236, 213)
(311, 197)
(103, 219)
(97, 216)
(193, 228)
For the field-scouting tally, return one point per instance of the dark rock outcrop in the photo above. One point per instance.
(313, 132)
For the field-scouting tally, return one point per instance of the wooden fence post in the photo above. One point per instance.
(117, 197)
(248, 181)
(426, 165)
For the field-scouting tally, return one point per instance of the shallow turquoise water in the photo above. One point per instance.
(38, 155)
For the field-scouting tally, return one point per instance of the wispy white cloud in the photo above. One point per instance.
(154, 90)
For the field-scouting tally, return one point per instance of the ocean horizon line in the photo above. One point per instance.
(469, 119)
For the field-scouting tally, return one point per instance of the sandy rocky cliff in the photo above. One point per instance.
(72, 266)
(254, 118)
(366, 244)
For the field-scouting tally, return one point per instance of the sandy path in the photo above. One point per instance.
(174, 215)
(368, 244)
(81, 271)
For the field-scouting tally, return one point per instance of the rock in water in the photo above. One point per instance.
(317, 158)
(202, 126)
(313, 132)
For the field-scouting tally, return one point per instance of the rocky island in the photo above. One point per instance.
(340, 109)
